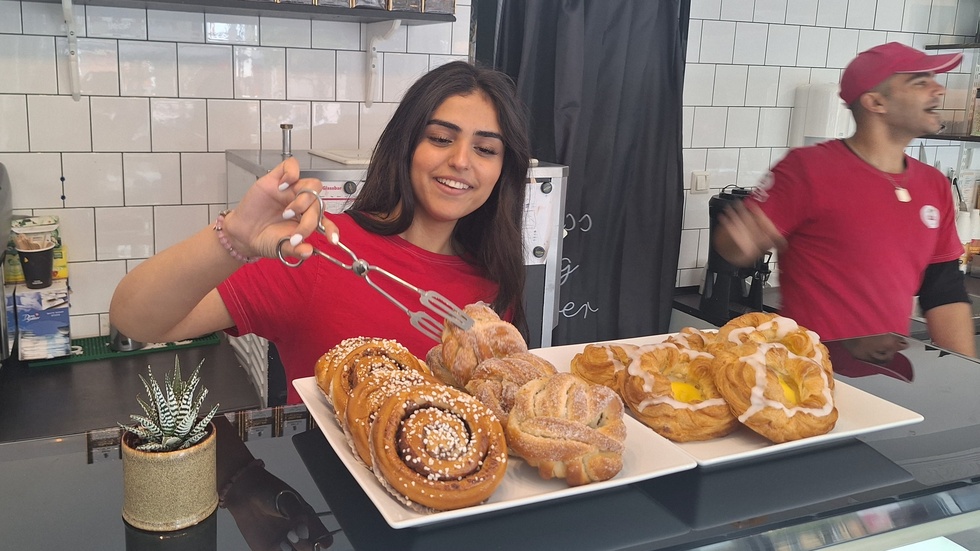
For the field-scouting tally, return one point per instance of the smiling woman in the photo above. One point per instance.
(441, 207)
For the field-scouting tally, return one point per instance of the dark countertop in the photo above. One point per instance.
(56, 496)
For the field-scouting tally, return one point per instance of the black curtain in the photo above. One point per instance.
(603, 80)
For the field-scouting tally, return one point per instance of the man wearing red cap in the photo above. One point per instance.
(860, 227)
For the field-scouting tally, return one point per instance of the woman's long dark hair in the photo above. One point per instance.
(490, 237)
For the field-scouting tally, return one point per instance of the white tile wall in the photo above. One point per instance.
(747, 57)
(138, 163)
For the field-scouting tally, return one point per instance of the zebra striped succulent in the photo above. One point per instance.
(171, 421)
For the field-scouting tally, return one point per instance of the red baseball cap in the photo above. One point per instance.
(871, 67)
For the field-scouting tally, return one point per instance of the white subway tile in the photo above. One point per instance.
(699, 84)
(965, 23)
(942, 17)
(743, 127)
(860, 15)
(151, 178)
(750, 43)
(801, 12)
(814, 51)
(147, 68)
(93, 179)
(175, 26)
(13, 131)
(173, 224)
(352, 76)
(98, 67)
(916, 16)
(690, 278)
(687, 126)
(432, 39)
(260, 73)
(35, 179)
(693, 159)
(709, 127)
(705, 9)
(782, 45)
(179, 124)
(957, 90)
(688, 254)
(373, 121)
(205, 71)
(770, 11)
(57, 123)
(336, 35)
(790, 78)
(842, 48)
(436, 60)
(774, 127)
(276, 113)
(124, 232)
(335, 126)
(77, 228)
(753, 164)
(461, 33)
(736, 10)
(889, 14)
(233, 125)
(729, 87)
(203, 178)
(694, 41)
(283, 32)
(762, 85)
(10, 17)
(28, 65)
(396, 42)
(49, 18)
(696, 210)
(904, 38)
(224, 28)
(870, 39)
(717, 41)
(86, 325)
(120, 124)
(111, 22)
(825, 75)
(311, 74)
(832, 13)
(400, 72)
(92, 285)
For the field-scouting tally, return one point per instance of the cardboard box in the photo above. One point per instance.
(405, 5)
(8, 295)
(439, 6)
(43, 323)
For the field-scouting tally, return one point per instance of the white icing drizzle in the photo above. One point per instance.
(648, 379)
(758, 401)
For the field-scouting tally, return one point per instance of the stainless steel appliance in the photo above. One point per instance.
(543, 213)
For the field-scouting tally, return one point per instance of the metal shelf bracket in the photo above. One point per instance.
(74, 77)
(376, 32)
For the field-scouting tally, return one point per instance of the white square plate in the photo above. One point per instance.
(858, 413)
(647, 455)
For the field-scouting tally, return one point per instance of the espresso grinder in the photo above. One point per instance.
(728, 290)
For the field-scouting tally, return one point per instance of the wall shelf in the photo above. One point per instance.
(269, 8)
(958, 46)
(952, 137)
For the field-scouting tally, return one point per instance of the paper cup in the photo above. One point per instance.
(37, 265)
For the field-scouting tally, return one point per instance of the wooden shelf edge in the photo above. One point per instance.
(958, 46)
(952, 137)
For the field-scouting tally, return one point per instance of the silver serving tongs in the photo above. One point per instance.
(422, 321)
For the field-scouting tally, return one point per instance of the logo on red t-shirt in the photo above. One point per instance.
(761, 191)
(930, 216)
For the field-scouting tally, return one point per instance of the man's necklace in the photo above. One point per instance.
(900, 192)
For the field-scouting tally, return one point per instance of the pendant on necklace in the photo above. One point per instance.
(902, 194)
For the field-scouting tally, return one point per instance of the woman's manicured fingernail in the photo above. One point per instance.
(296, 239)
(284, 186)
(334, 238)
(288, 214)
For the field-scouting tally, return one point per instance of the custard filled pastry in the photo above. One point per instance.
(495, 382)
(435, 447)
(366, 400)
(602, 363)
(779, 394)
(373, 355)
(490, 337)
(695, 339)
(568, 428)
(759, 327)
(672, 390)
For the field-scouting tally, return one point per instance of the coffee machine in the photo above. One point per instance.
(729, 290)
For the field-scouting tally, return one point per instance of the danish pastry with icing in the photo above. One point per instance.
(775, 392)
(759, 327)
(672, 390)
(568, 428)
(602, 363)
(437, 448)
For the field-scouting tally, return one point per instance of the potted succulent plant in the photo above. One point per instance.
(169, 455)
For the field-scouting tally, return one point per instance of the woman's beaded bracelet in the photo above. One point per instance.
(219, 228)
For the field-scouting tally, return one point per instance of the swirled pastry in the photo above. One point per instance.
(759, 327)
(602, 363)
(373, 355)
(366, 400)
(327, 363)
(495, 381)
(781, 395)
(695, 339)
(568, 428)
(436, 447)
(490, 337)
(671, 389)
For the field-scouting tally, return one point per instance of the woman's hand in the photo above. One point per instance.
(279, 205)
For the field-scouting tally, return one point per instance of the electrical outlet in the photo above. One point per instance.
(699, 181)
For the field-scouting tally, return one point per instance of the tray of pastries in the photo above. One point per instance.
(481, 424)
(757, 386)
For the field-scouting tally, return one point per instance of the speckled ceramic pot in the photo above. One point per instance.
(165, 491)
